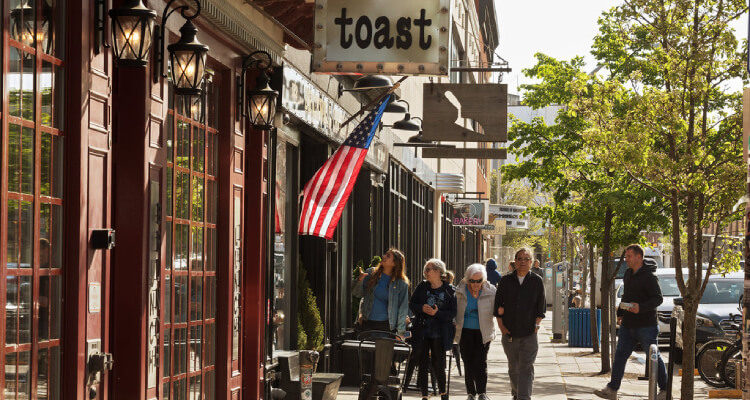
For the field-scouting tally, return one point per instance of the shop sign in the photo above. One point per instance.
(303, 99)
(469, 214)
(447, 105)
(496, 226)
(399, 37)
(513, 215)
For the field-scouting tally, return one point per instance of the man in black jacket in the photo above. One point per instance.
(637, 319)
(519, 308)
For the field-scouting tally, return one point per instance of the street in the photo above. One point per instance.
(562, 372)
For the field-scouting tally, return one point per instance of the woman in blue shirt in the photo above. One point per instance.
(385, 295)
(434, 306)
(475, 328)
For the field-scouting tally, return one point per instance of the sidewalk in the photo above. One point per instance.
(562, 372)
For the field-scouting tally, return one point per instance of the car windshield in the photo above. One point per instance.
(722, 292)
(669, 286)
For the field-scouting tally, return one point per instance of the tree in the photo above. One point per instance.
(609, 209)
(663, 118)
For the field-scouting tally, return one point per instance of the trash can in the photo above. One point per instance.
(579, 327)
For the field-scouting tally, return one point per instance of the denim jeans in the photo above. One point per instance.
(626, 340)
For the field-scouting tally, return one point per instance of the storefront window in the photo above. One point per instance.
(189, 300)
(281, 254)
(34, 74)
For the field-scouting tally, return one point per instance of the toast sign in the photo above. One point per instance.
(404, 37)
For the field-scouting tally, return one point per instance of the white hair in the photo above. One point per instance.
(439, 264)
(472, 270)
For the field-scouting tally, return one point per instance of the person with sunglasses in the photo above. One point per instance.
(385, 295)
(475, 328)
(519, 307)
(434, 306)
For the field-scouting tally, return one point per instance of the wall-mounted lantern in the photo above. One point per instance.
(132, 27)
(261, 101)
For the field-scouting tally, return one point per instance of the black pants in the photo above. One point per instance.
(432, 350)
(474, 354)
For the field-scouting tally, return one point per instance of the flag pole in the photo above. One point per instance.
(373, 102)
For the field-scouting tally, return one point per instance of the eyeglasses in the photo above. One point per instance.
(476, 280)
(527, 259)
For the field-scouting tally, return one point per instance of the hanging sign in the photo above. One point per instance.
(397, 37)
(469, 214)
(511, 214)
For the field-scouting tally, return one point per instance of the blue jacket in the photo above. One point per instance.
(398, 301)
(445, 315)
(492, 275)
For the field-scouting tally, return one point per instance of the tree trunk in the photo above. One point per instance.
(585, 267)
(592, 304)
(688, 346)
(605, 292)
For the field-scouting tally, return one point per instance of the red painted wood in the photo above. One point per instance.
(254, 285)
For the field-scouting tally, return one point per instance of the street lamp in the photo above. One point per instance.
(132, 26)
(261, 101)
(370, 82)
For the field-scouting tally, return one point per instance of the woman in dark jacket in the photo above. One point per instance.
(434, 306)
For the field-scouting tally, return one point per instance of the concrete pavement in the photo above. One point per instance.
(562, 372)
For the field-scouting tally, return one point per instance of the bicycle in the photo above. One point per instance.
(713, 358)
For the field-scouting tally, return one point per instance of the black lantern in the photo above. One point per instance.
(408, 124)
(261, 101)
(22, 24)
(132, 27)
(370, 82)
(188, 61)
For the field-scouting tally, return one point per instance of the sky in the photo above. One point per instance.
(561, 29)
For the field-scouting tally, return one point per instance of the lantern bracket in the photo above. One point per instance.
(249, 61)
(160, 32)
(100, 39)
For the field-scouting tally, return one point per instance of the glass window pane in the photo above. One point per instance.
(169, 127)
(42, 374)
(13, 233)
(53, 385)
(210, 344)
(56, 167)
(198, 149)
(210, 249)
(170, 256)
(14, 78)
(196, 298)
(165, 389)
(210, 297)
(179, 363)
(196, 254)
(46, 156)
(44, 307)
(181, 246)
(180, 300)
(170, 174)
(45, 80)
(11, 310)
(27, 234)
(212, 153)
(11, 375)
(196, 339)
(168, 299)
(55, 236)
(197, 199)
(183, 144)
(27, 161)
(209, 385)
(24, 310)
(182, 195)
(180, 389)
(55, 305)
(167, 357)
(211, 199)
(195, 387)
(14, 158)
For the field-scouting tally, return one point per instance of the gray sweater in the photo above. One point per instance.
(485, 303)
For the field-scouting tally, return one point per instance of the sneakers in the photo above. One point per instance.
(662, 395)
(606, 393)
(483, 396)
(471, 397)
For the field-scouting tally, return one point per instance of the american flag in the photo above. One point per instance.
(325, 195)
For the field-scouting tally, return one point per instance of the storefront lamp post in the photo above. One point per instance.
(132, 26)
(188, 60)
(261, 101)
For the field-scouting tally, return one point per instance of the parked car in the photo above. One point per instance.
(720, 299)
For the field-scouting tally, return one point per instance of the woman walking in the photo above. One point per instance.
(434, 306)
(475, 328)
(385, 295)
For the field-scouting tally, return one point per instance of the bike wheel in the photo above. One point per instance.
(708, 361)
(728, 368)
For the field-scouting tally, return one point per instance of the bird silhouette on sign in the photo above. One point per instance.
(447, 105)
